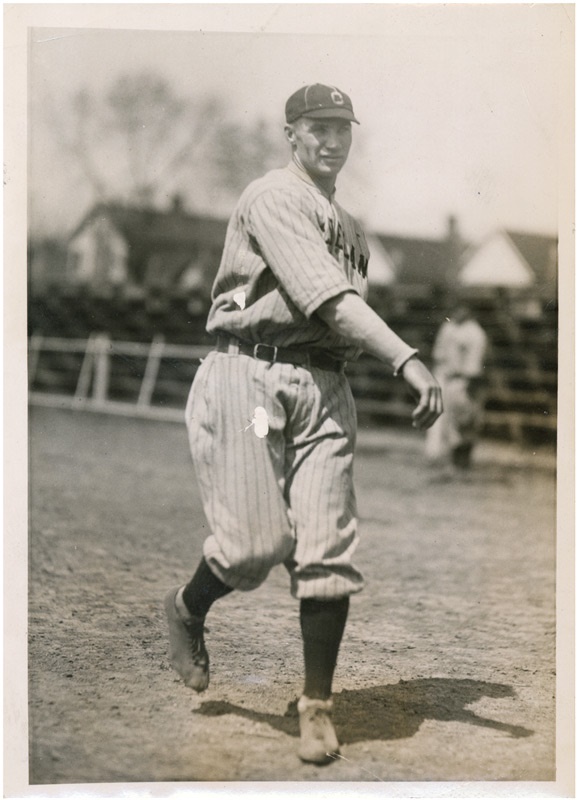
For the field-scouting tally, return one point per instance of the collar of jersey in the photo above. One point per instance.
(301, 173)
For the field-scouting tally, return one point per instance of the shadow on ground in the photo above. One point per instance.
(390, 712)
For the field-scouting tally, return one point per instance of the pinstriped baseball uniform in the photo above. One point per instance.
(270, 415)
(289, 248)
(286, 496)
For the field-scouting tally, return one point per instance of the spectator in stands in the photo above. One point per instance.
(459, 354)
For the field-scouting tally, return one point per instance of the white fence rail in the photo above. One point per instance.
(89, 378)
(92, 391)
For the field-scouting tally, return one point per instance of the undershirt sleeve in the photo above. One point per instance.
(292, 244)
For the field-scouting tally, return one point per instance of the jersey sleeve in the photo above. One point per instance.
(474, 352)
(291, 242)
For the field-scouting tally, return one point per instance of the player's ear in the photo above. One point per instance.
(290, 133)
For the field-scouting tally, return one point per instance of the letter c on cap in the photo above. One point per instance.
(337, 97)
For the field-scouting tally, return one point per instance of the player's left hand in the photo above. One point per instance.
(427, 392)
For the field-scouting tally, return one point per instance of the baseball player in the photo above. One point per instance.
(270, 416)
(459, 354)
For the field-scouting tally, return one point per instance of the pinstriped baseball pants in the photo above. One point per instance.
(286, 497)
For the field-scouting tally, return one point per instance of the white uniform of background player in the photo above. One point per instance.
(459, 354)
(271, 419)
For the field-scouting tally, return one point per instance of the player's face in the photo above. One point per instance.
(321, 145)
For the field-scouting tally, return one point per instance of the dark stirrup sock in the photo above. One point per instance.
(203, 589)
(322, 626)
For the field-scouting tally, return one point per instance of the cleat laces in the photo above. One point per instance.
(198, 651)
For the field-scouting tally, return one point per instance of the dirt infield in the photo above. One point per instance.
(447, 669)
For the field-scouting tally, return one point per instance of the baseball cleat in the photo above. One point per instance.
(188, 654)
(318, 743)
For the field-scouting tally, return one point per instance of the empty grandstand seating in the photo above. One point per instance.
(521, 369)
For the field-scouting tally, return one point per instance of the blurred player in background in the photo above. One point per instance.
(459, 354)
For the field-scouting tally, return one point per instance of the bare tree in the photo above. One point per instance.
(243, 152)
(130, 143)
(140, 142)
(160, 133)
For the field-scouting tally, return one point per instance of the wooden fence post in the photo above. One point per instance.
(102, 369)
(151, 372)
(85, 375)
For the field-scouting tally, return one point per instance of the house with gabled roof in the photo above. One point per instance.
(424, 263)
(416, 262)
(125, 246)
(513, 260)
(131, 248)
(382, 270)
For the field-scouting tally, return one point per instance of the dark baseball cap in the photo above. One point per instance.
(319, 101)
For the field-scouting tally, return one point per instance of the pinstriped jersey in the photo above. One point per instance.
(289, 248)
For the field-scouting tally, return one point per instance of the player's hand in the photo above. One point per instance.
(426, 391)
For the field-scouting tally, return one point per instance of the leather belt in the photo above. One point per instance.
(285, 355)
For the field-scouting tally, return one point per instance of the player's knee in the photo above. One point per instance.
(255, 567)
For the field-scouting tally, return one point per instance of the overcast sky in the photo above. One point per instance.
(463, 108)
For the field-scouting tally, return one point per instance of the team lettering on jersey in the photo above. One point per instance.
(336, 243)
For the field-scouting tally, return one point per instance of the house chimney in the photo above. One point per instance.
(177, 203)
(144, 196)
(454, 250)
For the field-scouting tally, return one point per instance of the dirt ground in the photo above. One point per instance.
(447, 668)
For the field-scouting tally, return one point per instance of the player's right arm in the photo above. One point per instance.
(286, 228)
(349, 316)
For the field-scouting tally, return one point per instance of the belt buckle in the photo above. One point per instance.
(264, 357)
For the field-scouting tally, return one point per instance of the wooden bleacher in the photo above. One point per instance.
(521, 369)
